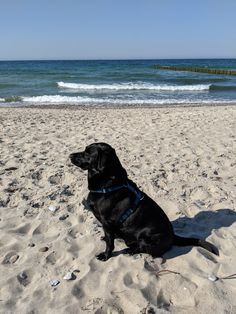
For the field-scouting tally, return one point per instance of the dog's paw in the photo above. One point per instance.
(102, 256)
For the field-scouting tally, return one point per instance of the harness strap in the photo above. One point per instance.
(129, 211)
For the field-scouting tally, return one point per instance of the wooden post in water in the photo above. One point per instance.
(194, 69)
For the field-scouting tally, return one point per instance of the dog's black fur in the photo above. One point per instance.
(148, 229)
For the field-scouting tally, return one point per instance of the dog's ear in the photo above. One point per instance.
(105, 158)
(101, 160)
(100, 166)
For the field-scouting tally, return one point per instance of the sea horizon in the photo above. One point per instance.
(117, 59)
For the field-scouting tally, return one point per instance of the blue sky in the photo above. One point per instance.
(117, 29)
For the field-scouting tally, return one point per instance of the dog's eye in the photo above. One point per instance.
(89, 151)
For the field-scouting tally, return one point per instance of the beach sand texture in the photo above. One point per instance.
(184, 158)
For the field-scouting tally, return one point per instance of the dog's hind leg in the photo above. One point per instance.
(155, 245)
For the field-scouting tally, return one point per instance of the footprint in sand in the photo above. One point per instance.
(22, 230)
(10, 258)
(77, 291)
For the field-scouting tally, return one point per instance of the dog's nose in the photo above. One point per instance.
(72, 155)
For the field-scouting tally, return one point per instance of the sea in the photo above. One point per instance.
(114, 83)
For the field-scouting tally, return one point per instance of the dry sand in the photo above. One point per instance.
(184, 158)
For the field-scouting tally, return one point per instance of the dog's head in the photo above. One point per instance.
(96, 157)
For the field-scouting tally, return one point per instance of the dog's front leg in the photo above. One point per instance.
(109, 239)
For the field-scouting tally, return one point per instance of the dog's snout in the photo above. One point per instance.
(79, 160)
(73, 158)
(72, 155)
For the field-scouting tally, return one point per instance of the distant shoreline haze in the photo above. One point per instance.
(111, 59)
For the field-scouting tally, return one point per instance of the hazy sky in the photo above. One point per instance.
(117, 29)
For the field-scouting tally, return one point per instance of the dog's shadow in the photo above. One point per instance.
(201, 226)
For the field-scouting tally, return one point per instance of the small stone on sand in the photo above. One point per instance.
(212, 278)
(13, 259)
(43, 249)
(53, 208)
(63, 217)
(54, 282)
(69, 276)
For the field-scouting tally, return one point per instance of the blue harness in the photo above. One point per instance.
(129, 211)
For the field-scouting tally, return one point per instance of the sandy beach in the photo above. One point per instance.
(184, 158)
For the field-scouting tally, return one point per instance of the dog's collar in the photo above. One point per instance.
(108, 190)
(130, 211)
(117, 187)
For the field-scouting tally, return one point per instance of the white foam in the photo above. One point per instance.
(134, 86)
(2, 99)
(58, 99)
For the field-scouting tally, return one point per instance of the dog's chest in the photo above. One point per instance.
(104, 209)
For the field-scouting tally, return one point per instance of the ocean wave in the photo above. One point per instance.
(134, 86)
(78, 100)
(2, 99)
(12, 99)
(7, 85)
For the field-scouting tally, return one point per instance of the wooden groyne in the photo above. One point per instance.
(195, 69)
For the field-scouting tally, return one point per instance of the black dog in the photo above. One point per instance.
(123, 210)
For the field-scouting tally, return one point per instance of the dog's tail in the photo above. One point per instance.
(182, 241)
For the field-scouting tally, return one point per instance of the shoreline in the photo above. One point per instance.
(97, 107)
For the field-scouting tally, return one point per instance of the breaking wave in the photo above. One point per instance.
(133, 86)
(79, 100)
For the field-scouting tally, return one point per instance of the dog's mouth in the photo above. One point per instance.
(73, 158)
